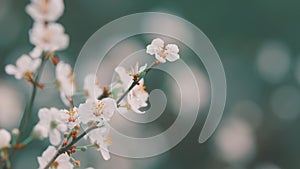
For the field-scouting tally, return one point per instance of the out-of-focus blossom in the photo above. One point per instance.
(36, 52)
(54, 122)
(65, 81)
(25, 67)
(284, 102)
(97, 111)
(91, 87)
(100, 137)
(273, 61)
(161, 52)
(11, 105)
(138, 96)
(49, 37)
(45, 10)
(5, 138)
(235, 141)
(72, 119)
(62, 161)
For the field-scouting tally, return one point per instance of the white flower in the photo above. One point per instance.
(65, 81)
(92, 87)
(25, 67)
(138, 96)
(61, 162)
(5, 138)
(72, 119)
(45, 10)
(36, 52)
(97, 111)
(50, 37)
(161, 52)
(100, 137)
(54, 121)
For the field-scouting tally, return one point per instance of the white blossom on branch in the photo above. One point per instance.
(53, 122)
(138, 96)
(25, 67)
(62, 161)
(162, 52)
(49, 37)
(95, 111)
(45, 10)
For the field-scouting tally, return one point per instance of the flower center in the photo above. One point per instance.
(53, 124)
(99, 108)
(28, 76)
(162, 53)
(55, 164)
(108, 140)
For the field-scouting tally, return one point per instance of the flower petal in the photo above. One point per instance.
(36, 52)
(54, 137)
(158, 42)
(172, 48)
(11, 69)
(105, 153)
(172, 57)
(110, 107)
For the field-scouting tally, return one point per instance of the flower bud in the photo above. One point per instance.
(15, 132)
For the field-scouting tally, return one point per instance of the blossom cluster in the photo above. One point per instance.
(92, 118)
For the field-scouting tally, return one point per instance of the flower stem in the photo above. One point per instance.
(5, 156)
(84, 148)
(27, 113)
(27, 140)
(67, 147)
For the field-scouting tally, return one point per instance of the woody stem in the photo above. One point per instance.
(69, 146)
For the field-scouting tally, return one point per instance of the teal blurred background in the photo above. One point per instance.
(258, 43)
